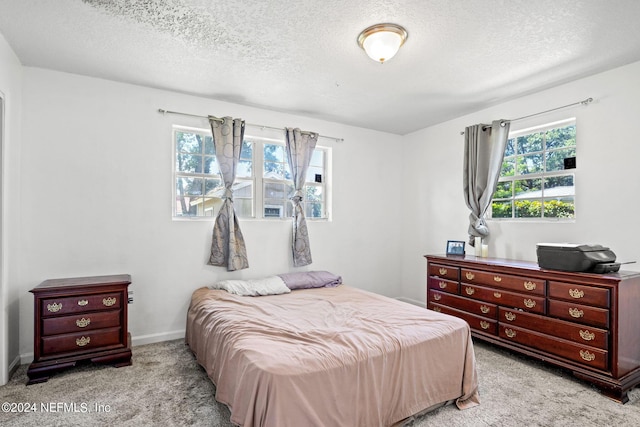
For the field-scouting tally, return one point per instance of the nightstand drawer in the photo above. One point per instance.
(80, 304)
(81, 341)
(80, 322)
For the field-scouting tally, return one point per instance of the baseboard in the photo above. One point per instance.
(154, 338)
(135, 340)
(411, 301)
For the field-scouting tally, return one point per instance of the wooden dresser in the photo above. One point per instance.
(83, 318)
(586, 323)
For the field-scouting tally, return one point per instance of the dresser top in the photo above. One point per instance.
(116, 279)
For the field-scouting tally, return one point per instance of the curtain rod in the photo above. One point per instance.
(583, 102)
(160, 110)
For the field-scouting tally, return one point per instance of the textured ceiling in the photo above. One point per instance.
(301, 56)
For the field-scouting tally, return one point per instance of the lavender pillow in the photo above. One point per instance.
(310, 279)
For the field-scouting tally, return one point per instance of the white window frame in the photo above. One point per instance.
(257, 179)
(538, 175)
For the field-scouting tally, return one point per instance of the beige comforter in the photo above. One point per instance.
(329, 357)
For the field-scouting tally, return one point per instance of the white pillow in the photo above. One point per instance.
(273, 285)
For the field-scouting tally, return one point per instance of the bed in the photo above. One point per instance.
(330, 356)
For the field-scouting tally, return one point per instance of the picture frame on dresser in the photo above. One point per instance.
(455, 247)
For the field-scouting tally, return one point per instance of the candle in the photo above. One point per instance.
(478, 246)
(485, 251)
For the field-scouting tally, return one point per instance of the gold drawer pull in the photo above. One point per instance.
(497, 279)
(574, 312)
(510, 332)
(576, 293)
(83, 323)
(484, 324)
(530, 286)
(81, 342)
(437, 297)
(443, 285)
(83, 302)
(586, 355)
(497, 294)
(109, 301)
(437, 309)
(529, 303)
(510, 316)
(484, 309)
(587, 336)
(470, 276)
(54, 307)
(469, 291)
(442, 271)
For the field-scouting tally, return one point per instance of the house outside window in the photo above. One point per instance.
(198, 186)
(537, 179)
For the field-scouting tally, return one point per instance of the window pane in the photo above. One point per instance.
(189, 186)
(275, 191)
(243, 207)
(208, 146)
(508, 167)
(211, 165)
(561, 137)
(247, 150)
(530, 164)
(187, 142)
(313, 210)
(210, 185)
(527, 188)
(555, 159)
(184, 206)
(510, 149)
(317, 158)
(244, 169)
(503, 190)
(312, 172)
(501, 209)
(273, 153)
(529, 143)
(243, 189)
(274, 208)
(528, 208)
(559, 186)
(313, 193)
(274, 170)
(559, 208)
(191, 163)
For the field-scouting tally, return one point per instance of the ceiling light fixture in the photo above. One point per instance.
(382, 41)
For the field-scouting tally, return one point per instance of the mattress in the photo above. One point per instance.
(335, 356)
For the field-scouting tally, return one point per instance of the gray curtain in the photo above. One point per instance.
(227, 246)
(484, 147)
(300, 146)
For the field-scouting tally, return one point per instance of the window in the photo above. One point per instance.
(199, 188)
(538, 178)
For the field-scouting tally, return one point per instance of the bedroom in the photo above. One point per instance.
(63, 128)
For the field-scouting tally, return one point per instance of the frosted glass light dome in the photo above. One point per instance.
(382, 41)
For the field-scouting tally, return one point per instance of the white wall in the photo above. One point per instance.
(606, 177)
(95, 198)
(11, 92)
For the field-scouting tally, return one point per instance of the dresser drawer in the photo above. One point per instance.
(479, 323)
(535, 304)
(581, 294)
(444, 271)
(443, 284)
(469, 305)
(81, 341)
(506, 281)
(594, 337)
(80, 304)
(585, 355)
(579, 313)
(80, 322)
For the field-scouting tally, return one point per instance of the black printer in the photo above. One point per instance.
(576, 257)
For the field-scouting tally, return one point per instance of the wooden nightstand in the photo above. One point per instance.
(82, 318)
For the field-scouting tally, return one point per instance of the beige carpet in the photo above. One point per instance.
(166, 387)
